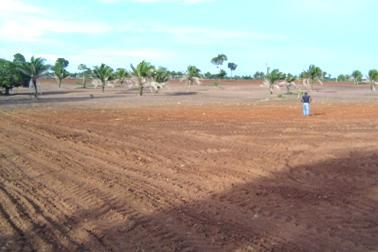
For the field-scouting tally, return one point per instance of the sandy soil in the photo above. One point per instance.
(211, 169)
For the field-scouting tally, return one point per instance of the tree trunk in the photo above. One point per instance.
(103, 86)
(60, 83)
(35, 88)
(7, 91)
(140, 87)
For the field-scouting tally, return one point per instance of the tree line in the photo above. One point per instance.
(19, 72)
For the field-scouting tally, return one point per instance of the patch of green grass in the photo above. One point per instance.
(216, 84)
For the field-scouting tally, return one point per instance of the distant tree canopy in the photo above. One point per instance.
(20, 72)
(103, 73)
(143, 71)
(218, 61)
(311, 75)
(343, 77)
(60, 71)
(121, 74)
(34, 69)
(161, 75)
(176, 75)
(289, 82)
(193, 75)
(357, 77)
(373, 78)
(232, 66)
(85, 73)
(272, 77)
(259, 75)
(10, 77)
(19, 60)
(222, 74)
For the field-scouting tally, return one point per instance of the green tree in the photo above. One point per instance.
(373, 78)
(357, 77)
(103, 73)
(85, 73)
(143, 71)
(176, 75)
(60, 71)
(232, 66)
(259, 75)
(192, 76)
(161, 75)
(19, 60)
(290, 82)
(222, 74)
(34, 69)
(219, 60)
(272, 77)
(121, 74)
(311, 75)
(208, 75)
(343, 77)
(9, 76)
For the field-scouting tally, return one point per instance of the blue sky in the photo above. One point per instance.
(338, 35)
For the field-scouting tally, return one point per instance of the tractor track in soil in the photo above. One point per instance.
(189, 179)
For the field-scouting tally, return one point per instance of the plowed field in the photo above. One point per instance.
(190, 178)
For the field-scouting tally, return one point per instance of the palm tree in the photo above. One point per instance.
(272, 77)
(289, 82)
(34, 69)
(143, 71)
(103, 73)
(311, 75)
(121, 74)
(60, 71)
(357, 77)
(192, 76)
(85, 73)
(373, 78)
(160, 76)
(232, 66)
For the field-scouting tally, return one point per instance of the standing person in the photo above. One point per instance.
(306, 100)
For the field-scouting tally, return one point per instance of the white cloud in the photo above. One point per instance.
(51, 58)
(122, 57)
(17, 6)
(207, 35)
(146, 53)
(24, 22)
(326, 6)
(158, 1)
(36, 29)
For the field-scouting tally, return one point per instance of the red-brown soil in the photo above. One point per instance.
(189, 178)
